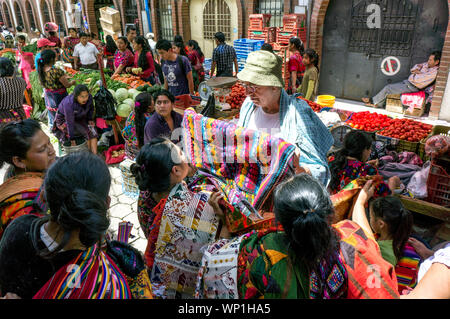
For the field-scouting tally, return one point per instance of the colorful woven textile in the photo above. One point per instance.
(93, 275)
(17, 195)
(267, 268)
(369, 275)
(217, 278)
(250, 163)
(407, 268)
(188, 223)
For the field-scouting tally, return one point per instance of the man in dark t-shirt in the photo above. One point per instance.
(177, 70)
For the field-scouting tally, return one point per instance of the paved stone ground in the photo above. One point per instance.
(122, 208)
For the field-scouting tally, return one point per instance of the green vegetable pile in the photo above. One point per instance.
(149, 88)
(37, 91)
(30, 48)
(90, 79)
(10, 56)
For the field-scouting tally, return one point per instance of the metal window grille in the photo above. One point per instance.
(165, 19)
(18, 14)
(398, 24)
(46, 12)
(131, 11)
(31, 15)
(216, 17)
(275, 8)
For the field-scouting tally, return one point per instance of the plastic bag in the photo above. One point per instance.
(437, 145)
(418, 184)
(105, 105)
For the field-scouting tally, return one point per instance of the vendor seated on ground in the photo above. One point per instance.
(270, 109)
(165, 120)
(85, 54)
(350, 163)
(422, 75)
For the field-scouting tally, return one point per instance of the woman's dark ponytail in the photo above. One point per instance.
(399, 221)
(142, 61)
(47, 57)
(76, 190)
(304, 209)
(143, 101)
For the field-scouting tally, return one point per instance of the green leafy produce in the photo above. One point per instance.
(36, 92)
(131, 93)
(129, 102)
(123, 110)
(10, 56)
(154, 88)
(30, 48)
(121, 95)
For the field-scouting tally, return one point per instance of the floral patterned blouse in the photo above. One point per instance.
(52, 77)
(126, 58)
(354, 169)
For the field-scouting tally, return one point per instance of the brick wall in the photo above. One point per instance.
(10, 15)
(316, 38)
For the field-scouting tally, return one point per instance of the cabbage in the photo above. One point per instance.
(121, 95)
(112, 92)
(131, 93)
(136, 94)
(123, 110)
(128, 101)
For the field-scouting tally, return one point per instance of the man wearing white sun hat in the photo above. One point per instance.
(270, 109)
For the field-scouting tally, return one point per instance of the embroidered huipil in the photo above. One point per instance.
(300, 126)
(425, 77)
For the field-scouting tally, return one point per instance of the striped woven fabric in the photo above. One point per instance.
(253, 160)
(407, 268)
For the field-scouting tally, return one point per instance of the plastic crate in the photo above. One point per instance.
(294, 21)
(390, 142)
(268, 35)
(284, 36)
(259, 21)
(406, 146)
(438, 182)
(245, 46)
(186, 100)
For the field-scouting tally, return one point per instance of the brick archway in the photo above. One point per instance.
(26, 26)
(62, 6)
(8, 16)
(316, 38)
(50, 17)
(34, 12)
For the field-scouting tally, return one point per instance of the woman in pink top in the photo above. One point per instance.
(143, 59)
(296, 67)
(123, 58)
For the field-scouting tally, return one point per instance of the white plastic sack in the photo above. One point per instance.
(418, 183)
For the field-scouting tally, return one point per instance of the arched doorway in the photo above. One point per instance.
(8, 17)
(30, 14)
(100, 4)
(210, 16)
(130, 11)
(164, 12)
(19, 17)
(59, 17)
(45, 12)
(352, 52)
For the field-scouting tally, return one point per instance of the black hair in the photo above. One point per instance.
(80, 88)
(181, 46)
(154, 164)
(437, 55)
(194, 44)
(6, 67)
(15, 139)
(52, 33)
(131, 28)
(83, 34)
(76, 189)
(178, 38)
(145, 100)
(220, 37)
(142, 61)
(267, 47)
(354, 144)
(19, 28)
(21, 37)
(398, 219)
(304, 209)
(74, 29)
(298, 45)
(125, 39)
(93, 35)
(169, 95)
(48, 57)
(163, 45)
(313, 57)
(111, 44)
